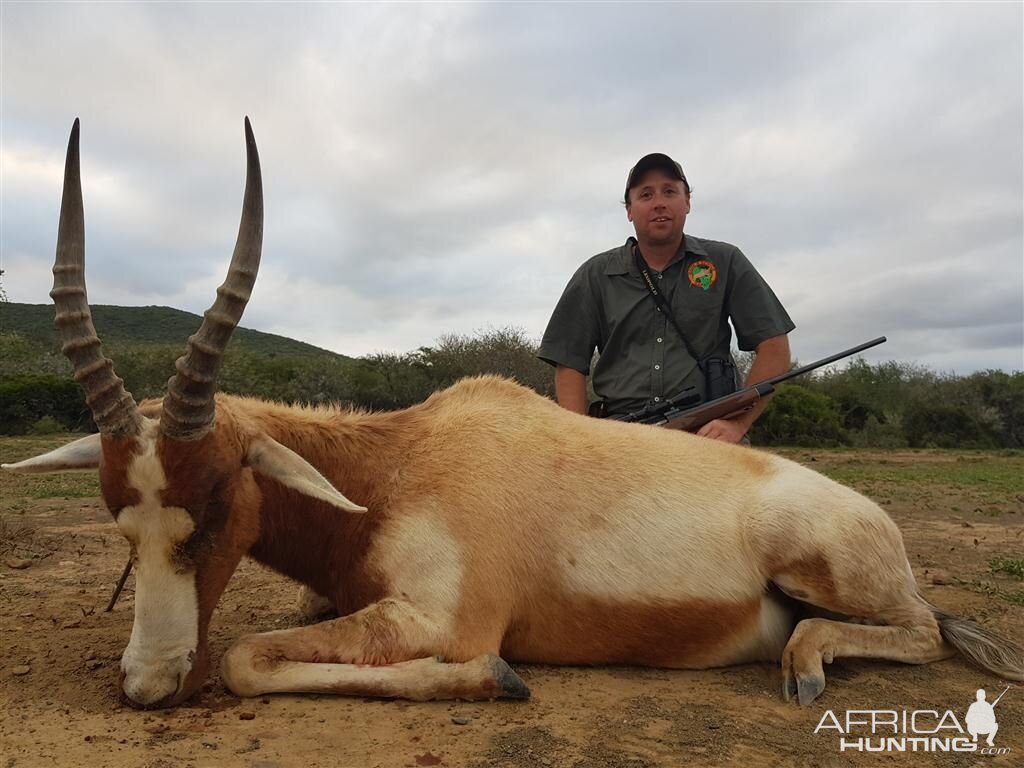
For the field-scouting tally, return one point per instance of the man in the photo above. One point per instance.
(647, 356)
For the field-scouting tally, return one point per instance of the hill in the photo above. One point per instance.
(37, 392)
(118, 326)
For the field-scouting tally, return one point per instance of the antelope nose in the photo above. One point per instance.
(153, 685)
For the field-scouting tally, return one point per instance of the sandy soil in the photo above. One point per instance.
(59, 654)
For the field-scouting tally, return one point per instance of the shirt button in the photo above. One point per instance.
(657, 399)
(657, 367)
(659, 277)
(659, 339)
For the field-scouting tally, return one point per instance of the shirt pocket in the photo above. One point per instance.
(625, 313)
(700, 314)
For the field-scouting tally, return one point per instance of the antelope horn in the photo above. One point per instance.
(189, 408)
(113, 407)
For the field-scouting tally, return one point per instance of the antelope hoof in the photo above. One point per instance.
(789, 689)
(510, 685)
(809, 688)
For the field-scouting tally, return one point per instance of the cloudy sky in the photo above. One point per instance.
(439, 168)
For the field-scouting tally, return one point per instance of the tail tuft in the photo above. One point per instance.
(981, 647)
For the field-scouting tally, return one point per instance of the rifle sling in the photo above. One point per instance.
(662, 305)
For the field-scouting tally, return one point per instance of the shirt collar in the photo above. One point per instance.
(623, 263)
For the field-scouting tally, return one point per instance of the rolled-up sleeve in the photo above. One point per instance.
(572, 332)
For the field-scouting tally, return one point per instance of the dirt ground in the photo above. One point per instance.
(59, 655)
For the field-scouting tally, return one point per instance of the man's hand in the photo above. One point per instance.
(729, 430)
(771, 359)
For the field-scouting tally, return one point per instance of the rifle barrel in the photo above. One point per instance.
(824, 361)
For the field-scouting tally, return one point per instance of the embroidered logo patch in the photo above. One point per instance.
(702, 274)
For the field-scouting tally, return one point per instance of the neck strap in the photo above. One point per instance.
(659, 300)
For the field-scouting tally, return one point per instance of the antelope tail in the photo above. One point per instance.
(981, 647)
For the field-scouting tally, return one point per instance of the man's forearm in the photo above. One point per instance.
(772, 358)
(571, 389)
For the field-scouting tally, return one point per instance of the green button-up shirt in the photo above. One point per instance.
(607, 306)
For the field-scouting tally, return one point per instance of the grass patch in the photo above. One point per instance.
(983, 483)
(14, 449)
(1010, 566)
(59, 485)
(1002, 475)
(64, 486)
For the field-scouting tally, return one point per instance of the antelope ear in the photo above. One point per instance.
(83, 453)
(273, 460)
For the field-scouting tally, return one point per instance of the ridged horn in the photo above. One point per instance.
(189, 409)
(113, 408)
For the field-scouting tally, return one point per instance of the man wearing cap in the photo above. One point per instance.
(614, 303)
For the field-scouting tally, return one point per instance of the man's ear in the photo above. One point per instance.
(629, 213)
(83, 453)
(271, 459)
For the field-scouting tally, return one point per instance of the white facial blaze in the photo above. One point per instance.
(166, 629)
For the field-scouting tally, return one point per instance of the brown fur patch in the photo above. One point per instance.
(752, 461)
(319, 546)
(809, 579)
(113, 471)
(688, 634)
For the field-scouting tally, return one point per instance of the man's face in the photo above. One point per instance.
(657, 206)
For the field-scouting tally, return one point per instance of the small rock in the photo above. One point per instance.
(965, 524)
(72, 624)
(24, 669)
(253, 745)
(156, 728)
(460, 720)
(17, 563)
(939, 579)
(93, 664)
(246, 715)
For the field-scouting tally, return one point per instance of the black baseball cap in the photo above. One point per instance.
(650, 162)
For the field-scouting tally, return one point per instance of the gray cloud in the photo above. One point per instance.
(444, 168)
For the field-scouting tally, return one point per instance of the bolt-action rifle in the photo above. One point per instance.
(682, 411)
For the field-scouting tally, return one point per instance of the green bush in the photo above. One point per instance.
(47, 426)
(799, 416)
(944, 426)
(25, 399)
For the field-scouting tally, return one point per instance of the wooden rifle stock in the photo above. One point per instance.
(722, 408)
(692, 419)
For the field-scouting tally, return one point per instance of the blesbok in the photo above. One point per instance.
(488, 524)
